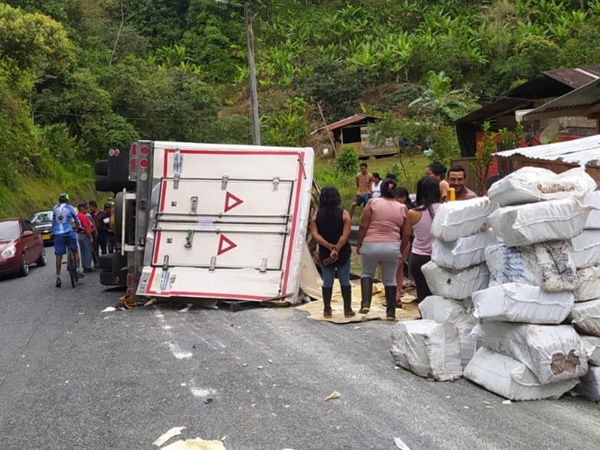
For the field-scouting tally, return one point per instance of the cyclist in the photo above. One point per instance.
(63, 215)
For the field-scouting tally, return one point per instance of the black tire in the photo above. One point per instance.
(71, 267)
(105, 262)
(41, 262)
(24, 268)
(101, 168)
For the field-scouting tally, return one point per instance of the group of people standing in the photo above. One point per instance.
(91, 235)
(392, 230)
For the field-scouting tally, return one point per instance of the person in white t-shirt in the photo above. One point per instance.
(376, 185)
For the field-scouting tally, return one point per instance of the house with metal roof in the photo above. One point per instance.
(523, 103)
(353, 131)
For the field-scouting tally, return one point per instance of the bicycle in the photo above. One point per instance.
(71, 266)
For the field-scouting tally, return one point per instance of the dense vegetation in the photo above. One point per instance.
(80, 76)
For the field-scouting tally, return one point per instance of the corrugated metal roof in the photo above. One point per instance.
(575, 77)
(581, 151)
(552, 83)
(355, 119)
(574, 103)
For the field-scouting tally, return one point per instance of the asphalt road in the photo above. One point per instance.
(73, 377)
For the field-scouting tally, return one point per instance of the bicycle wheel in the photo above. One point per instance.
(71, 267)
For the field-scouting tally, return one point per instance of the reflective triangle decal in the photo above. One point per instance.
(231, 201)
(225, 244)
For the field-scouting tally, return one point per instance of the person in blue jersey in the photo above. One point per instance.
(63, 216)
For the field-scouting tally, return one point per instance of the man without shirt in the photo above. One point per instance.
(363, 188)
(457, 178)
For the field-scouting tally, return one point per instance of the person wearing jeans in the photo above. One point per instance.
(330, 228)
(420, 218)
(383, 236)
(85, 237)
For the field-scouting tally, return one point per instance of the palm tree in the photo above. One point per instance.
(440, 102)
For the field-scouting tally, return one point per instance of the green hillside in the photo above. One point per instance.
(78, 77)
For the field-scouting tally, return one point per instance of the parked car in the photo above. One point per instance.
(20, 246)
(42, 221)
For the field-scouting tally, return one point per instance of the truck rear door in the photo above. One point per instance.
(226, 222)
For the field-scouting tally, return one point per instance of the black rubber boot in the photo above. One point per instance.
(366, 290)
(347, 296)
(390, 298)
(327, 302)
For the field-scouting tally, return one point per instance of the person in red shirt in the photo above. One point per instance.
(85, 237)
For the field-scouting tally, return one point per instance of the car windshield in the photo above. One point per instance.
(42, 217)
(9, 230)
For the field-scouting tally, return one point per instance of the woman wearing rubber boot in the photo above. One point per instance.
(330, 228)
(383, 236)
(421, 218)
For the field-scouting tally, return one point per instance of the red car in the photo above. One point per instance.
(20, 245)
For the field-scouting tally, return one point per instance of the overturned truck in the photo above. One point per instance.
(212, 221)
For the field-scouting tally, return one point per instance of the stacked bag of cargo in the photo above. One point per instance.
(585, 315)
(440, 345)
(527, 354)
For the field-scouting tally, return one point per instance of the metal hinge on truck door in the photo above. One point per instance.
(188, 239)
(224, 181)
(276, 183)
(194, 207)
(177, 168)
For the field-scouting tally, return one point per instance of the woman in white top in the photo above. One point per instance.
(376, 185)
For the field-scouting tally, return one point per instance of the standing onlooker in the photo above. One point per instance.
(382, 237)
(103, 220)
(457, 178)
(375, 185)
(330, 228)
(438, 171)
(92, 213)
(363, 188)
(85, 237)
(402, 196)
(428, 201)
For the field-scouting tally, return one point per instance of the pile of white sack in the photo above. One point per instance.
(441, 345)
(520, 285)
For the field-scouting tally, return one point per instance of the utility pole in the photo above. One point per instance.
(251, 69)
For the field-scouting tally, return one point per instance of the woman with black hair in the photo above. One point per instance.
(330, 228)
(382, 237)
(420, 218)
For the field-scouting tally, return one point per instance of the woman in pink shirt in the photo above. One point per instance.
(420, 218)
(382, 237)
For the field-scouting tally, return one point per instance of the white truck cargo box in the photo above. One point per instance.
(226, 221)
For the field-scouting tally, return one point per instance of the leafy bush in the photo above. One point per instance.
(347, 161)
